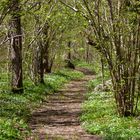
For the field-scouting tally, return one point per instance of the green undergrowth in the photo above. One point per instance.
(98, 80)
(15, 109)
(100, 118)
(93, 67)
(69, 74)
(93, 83)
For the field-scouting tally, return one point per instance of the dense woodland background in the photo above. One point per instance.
(41, 38)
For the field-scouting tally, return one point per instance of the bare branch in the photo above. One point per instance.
(69, 6)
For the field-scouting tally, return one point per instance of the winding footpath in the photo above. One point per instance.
(59, 117)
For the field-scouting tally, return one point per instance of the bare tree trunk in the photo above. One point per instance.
(40, 65)
(102, 67)
(46, 45)
(69, 53)
(16, 48)
(69, 57)
(38, 68)
(87, 54)
(46, 62)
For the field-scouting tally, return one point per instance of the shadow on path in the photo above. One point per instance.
(58, 118)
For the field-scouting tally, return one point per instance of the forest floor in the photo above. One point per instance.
(59, 116)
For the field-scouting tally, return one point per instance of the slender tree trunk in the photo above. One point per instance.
(40, 65)
(102, 67)
(16, 48)
(41, 68)
(69, 57)
(46, 58)
(87, 54)
(69, 53)
(46, 45)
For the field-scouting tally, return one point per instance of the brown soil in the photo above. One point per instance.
(58, 117)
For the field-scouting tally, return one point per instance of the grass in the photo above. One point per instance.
(100, 118)
(83, 64)
(93, 83)
(98, 80)
(69, 74)
(16, 109)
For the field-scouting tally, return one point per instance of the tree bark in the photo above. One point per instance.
(69, 57)
(103, 70)
(46, 58)
(16, 48)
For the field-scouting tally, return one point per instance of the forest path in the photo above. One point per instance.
(59, 117)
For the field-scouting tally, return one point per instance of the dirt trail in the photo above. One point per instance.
(58, 118)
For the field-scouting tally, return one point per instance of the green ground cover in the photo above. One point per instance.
(100, 117)
(15, 109)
